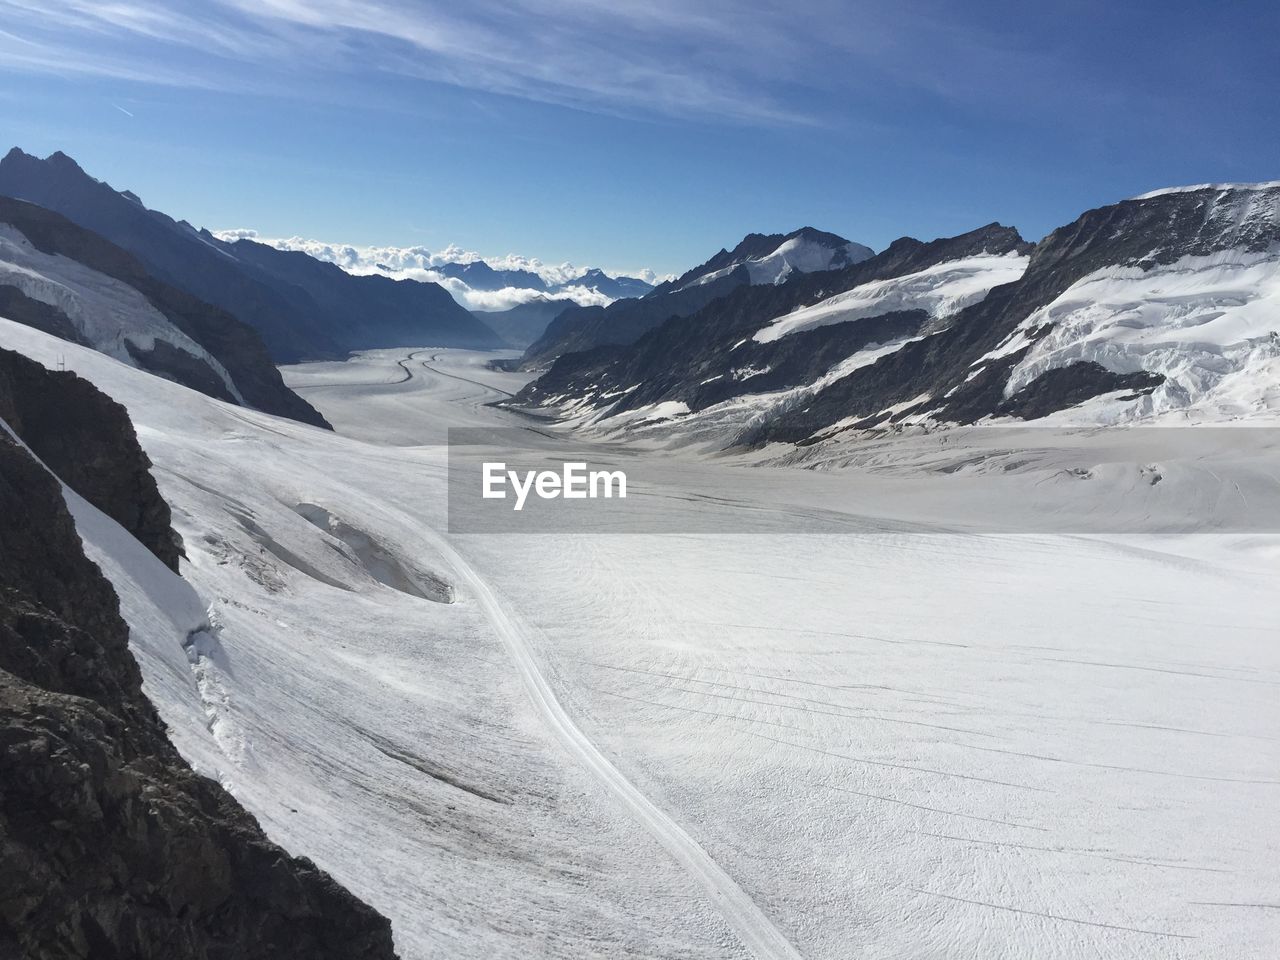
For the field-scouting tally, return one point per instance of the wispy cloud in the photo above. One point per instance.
(740, 61)
(753, 61)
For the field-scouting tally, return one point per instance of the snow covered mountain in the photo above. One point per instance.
(67, 281)
(759, 259)
(772, 258)
(301, 307)
(1158, 305)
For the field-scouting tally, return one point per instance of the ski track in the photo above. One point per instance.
(757, 932)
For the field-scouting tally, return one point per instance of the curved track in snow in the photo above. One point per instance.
(756, 931)
(453, 376)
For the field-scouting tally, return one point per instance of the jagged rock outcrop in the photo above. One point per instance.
(111, 847)
(17, 306)
(86, 438)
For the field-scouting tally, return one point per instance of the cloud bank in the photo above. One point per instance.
(420, 263)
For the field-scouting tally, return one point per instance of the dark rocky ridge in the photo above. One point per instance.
(111, 847)
(300, 310)
(615, 287)
(756, 245)
(479, 275)
(364, 312)
(229, 341)
(86, 438)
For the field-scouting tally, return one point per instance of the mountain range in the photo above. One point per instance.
(302, 308)
(1162, 304)
(1153, 305)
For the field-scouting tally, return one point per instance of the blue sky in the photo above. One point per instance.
(638, 134)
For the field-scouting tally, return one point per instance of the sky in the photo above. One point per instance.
(636, 134)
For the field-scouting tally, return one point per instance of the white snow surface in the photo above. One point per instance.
(1195, 187)
(941, 290)
(106, 312)
(828, 732)
(1209, 324)
(798, 254)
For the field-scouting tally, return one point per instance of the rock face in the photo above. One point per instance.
(110, 845)
(300, 307)
(17, 306)
(86, 438)
(227, 341)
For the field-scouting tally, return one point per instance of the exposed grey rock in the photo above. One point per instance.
(86, 438)
(111, 847)
(691, 360)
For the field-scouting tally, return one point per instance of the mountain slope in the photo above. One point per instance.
(621, 322)
(617, 288)
(479, 275)
(521, 325)
(299, 311)
(364, 312)
(758, 259)
(760, 340)
(70, 282)
(1161, 303)
(110, 844)
(86, 439)
(1165, 301)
